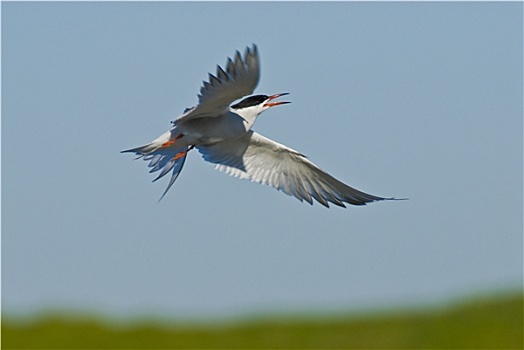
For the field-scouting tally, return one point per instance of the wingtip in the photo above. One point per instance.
(251, 51)
(377, 199)
(396, 199)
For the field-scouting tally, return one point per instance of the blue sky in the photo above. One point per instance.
(418, 100)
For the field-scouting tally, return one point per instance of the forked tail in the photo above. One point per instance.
(164, 159)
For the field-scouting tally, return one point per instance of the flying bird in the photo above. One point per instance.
(221, 131)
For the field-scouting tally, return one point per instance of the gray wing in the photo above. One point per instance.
(238, 80)
(262, 160)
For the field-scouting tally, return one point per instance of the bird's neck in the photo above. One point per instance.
(249, 118)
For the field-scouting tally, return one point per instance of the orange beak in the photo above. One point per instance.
(272, 97)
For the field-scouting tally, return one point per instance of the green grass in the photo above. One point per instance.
(495, 323)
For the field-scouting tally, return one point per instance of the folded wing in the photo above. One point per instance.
(262, 160)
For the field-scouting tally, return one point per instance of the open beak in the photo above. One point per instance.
(272, 97)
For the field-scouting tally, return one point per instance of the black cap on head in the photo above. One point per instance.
(250, 101)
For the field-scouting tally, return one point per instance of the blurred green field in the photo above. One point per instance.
(494, 323)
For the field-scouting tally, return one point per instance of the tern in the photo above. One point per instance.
(221, 131)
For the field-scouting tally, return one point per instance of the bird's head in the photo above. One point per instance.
(252, 106)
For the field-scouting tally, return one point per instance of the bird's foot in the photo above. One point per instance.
(183, 154)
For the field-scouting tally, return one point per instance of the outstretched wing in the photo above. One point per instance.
(238, 80)
(262, 160)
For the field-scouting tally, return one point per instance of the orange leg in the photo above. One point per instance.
(172, 141)
(183, 154)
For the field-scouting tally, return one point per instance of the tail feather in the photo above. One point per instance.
(156, 144)
(142, 150)
(177, 168)
(164, 159)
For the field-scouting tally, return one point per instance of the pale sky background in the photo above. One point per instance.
(418, 100)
